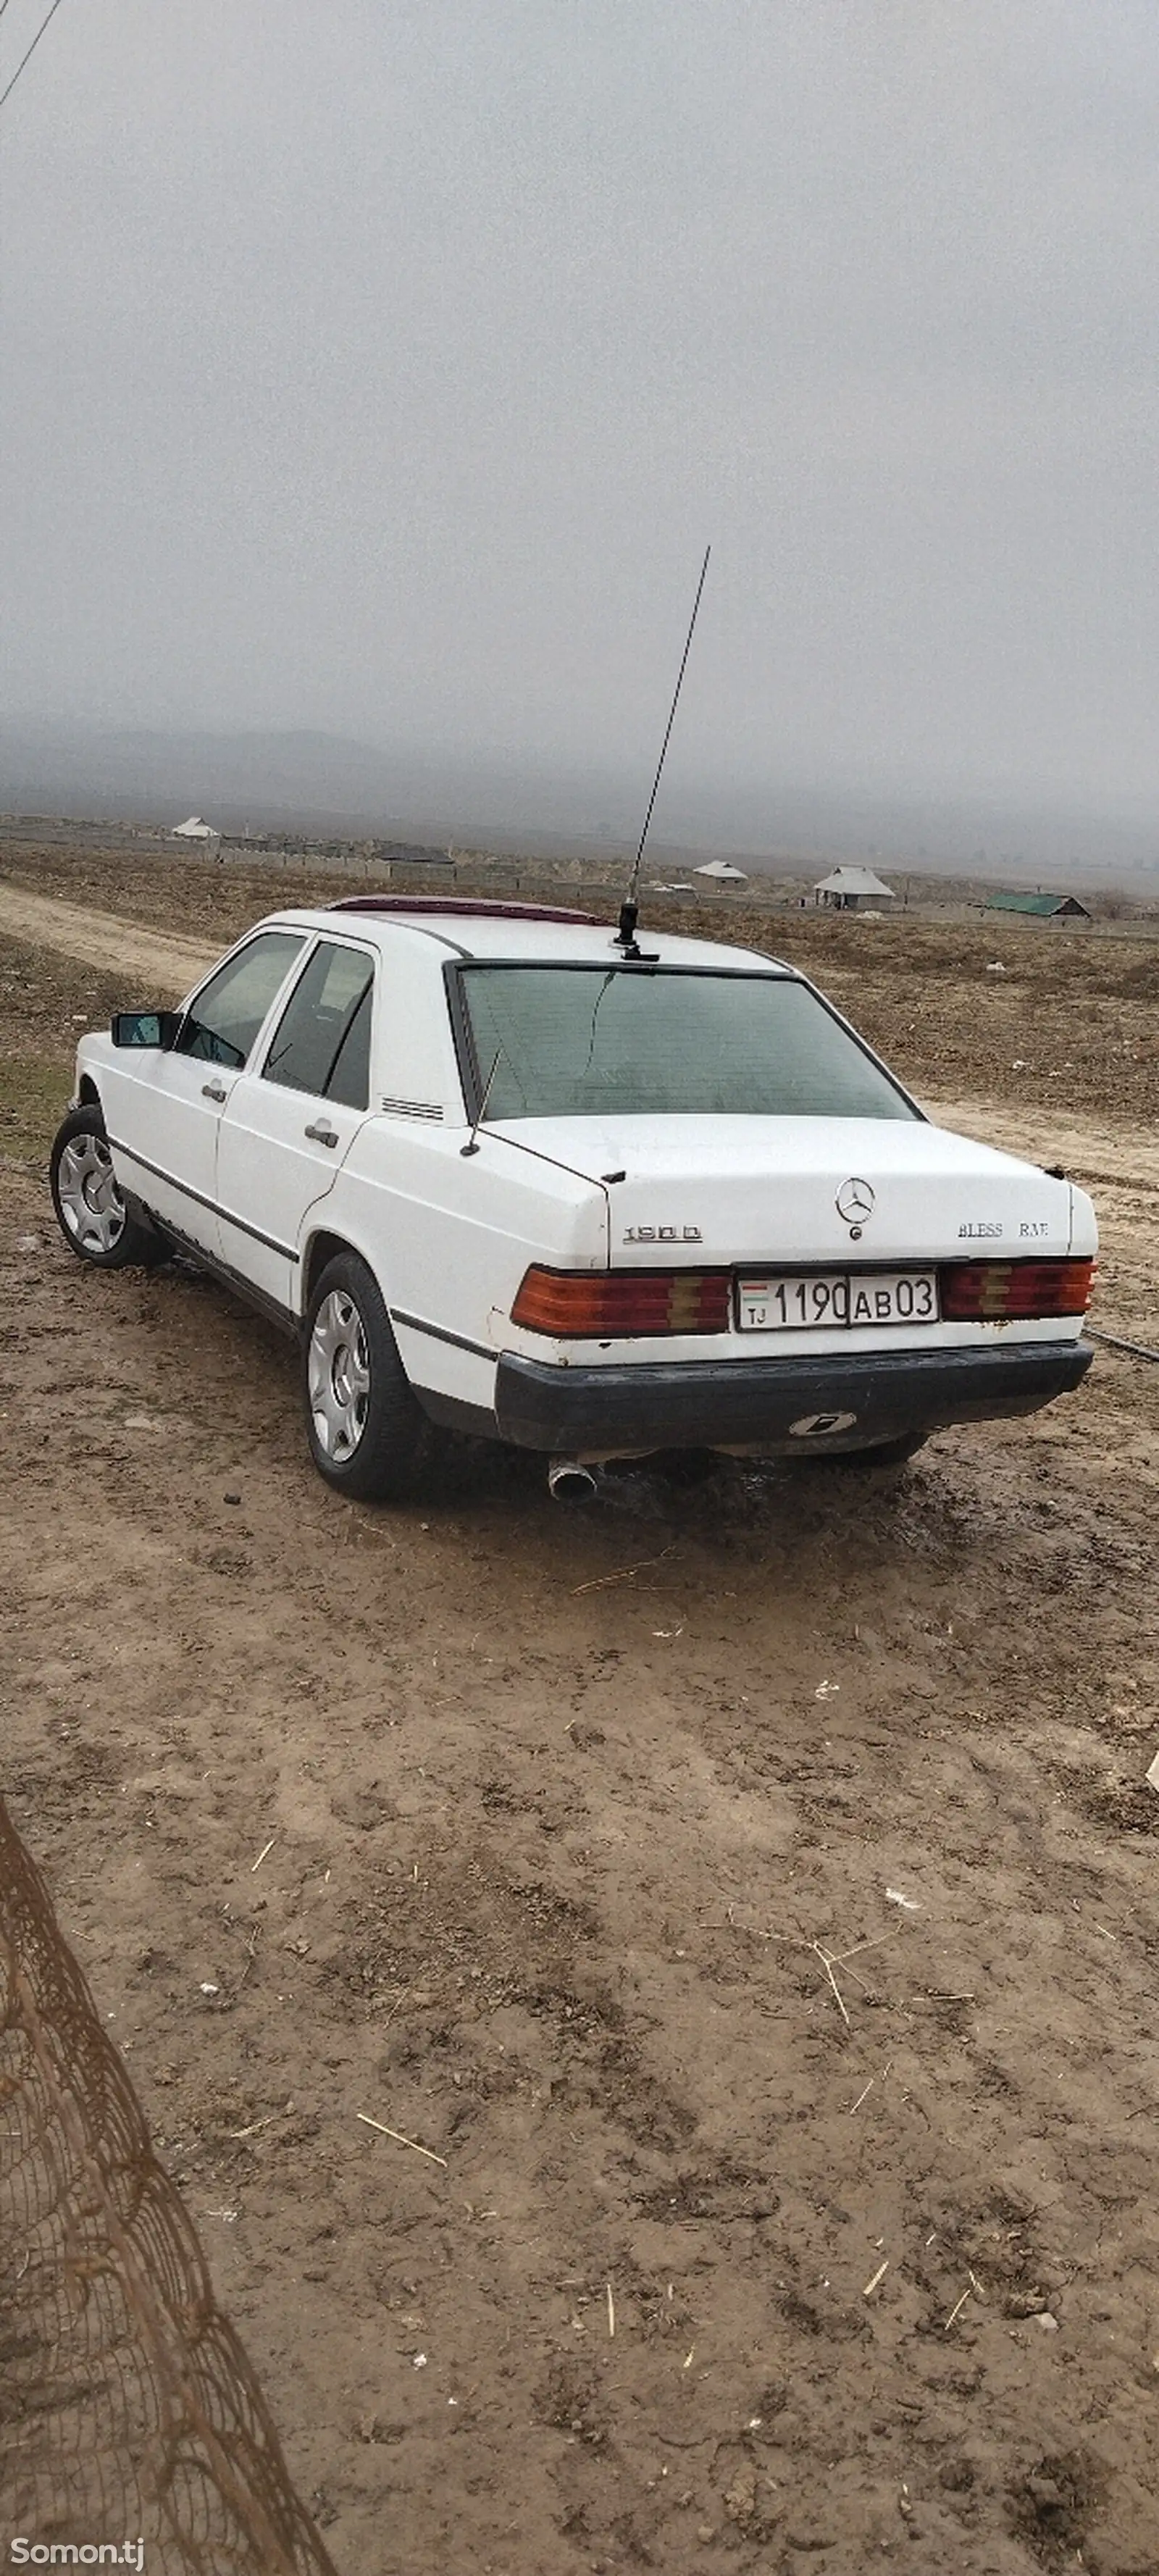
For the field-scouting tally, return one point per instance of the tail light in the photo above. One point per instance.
(988, 1292)
(603, 1305)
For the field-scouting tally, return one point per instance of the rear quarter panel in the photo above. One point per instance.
(449, 1237)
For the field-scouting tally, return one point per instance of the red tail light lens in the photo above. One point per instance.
(984, 1292)
(587, 1305)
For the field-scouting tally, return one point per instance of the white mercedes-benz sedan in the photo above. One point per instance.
(499, 1175)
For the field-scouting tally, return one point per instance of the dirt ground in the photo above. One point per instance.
(768, 2222)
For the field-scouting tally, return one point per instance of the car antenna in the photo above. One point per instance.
(472, 1144)
(629, 909)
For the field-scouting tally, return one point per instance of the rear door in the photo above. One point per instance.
(163, 1111)
(293, 1115)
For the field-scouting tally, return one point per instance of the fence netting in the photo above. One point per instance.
(128, 2408)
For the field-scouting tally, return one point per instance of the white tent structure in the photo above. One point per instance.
(194, 829)
(852, 890)
(721, 873)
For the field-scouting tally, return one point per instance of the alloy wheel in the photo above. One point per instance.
(339, 1376)
(90, 1201)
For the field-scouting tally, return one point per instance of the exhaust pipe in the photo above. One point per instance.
(569, 1482)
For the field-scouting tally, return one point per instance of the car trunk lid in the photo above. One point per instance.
(695, 1190)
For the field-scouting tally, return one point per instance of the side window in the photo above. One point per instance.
(223, 1019)
(322, 1041)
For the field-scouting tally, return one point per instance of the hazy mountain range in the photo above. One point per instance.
(318, 783)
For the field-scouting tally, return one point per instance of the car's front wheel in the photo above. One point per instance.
(368, 1435)
(91, 1212)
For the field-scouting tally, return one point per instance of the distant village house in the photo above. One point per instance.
(1040, 907)
(852, 890)
(194, 829)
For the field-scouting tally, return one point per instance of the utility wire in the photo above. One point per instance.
(7, 93)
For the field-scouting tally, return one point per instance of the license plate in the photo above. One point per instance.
(812, 1301)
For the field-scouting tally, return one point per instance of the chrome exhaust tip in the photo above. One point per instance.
(569, 1482)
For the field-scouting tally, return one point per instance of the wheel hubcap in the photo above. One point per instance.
(90, 1202)
(339, 1376)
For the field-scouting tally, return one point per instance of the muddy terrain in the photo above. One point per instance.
(739, 1901)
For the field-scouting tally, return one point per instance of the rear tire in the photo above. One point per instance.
(90, 1210)
(368, 1435)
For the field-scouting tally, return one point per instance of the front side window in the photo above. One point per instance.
(223, 1019)
(568, 1042)
(322, 1041)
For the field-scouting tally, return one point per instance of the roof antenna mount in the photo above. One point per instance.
(625, 938)
(472, 1144)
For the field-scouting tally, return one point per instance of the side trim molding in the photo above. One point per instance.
(439, 1333)
(214, 1205)
(173, 1239)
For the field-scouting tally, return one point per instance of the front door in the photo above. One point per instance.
(292, 1117)
(163, 1111)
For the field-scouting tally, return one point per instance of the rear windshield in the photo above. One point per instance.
(586, 1042)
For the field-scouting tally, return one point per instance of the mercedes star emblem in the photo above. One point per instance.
(855, 1202)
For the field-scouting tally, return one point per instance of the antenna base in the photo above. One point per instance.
(626, 934)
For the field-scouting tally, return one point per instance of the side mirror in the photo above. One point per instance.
(145, 1028)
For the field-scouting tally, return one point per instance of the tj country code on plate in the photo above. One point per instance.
(810, 1300)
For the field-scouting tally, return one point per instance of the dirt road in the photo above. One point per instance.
(103, 939)
(747, 1895)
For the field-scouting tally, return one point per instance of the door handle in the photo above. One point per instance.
(214, 1091)
(322, 1135)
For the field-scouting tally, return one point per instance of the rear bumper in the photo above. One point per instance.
(716, 1404)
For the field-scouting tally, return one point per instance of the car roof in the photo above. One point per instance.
(519, 934)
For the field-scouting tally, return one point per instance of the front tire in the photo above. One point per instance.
(368, 1435)
(90, 1210)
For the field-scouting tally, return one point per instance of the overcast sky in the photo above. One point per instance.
(385, 365)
